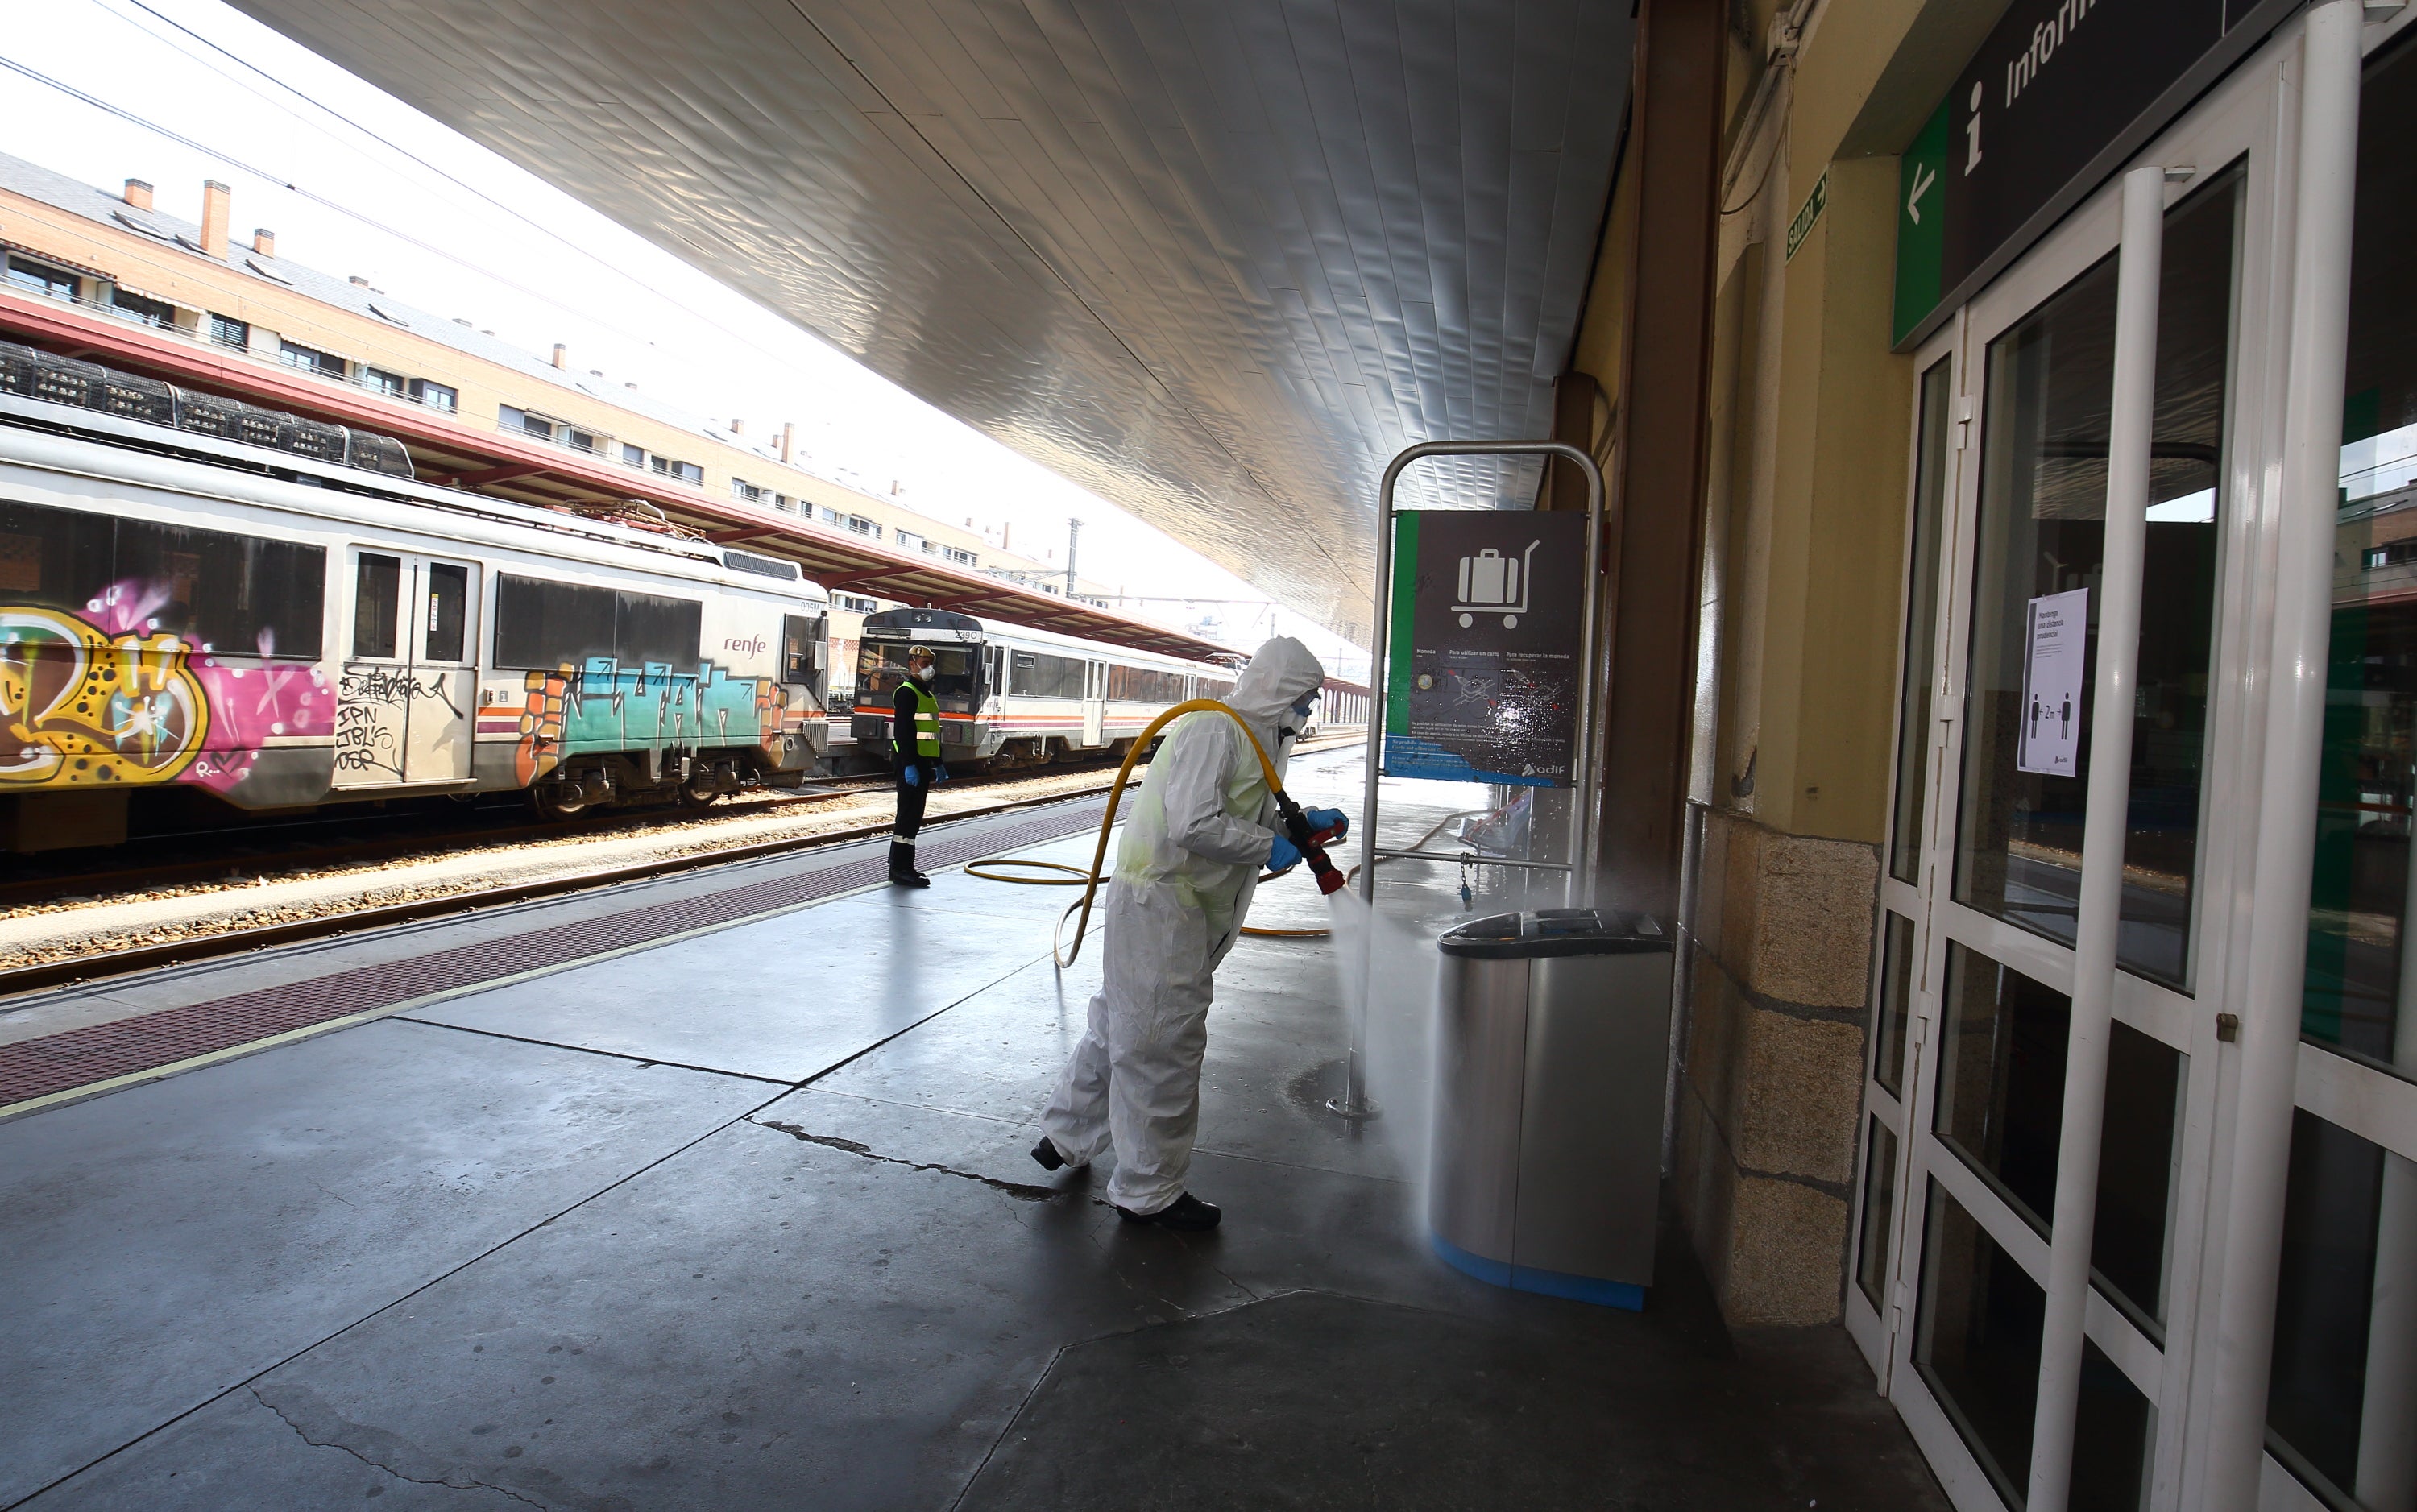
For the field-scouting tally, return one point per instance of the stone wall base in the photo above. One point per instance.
(1780, 948)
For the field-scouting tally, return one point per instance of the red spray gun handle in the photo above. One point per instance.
(1311, 843)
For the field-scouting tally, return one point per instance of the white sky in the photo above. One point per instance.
(548, 269)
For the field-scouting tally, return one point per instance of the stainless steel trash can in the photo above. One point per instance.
(1551, 1053)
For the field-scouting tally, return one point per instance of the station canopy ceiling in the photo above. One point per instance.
(1215, 260)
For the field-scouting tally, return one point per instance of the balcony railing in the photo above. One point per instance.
(194, 336)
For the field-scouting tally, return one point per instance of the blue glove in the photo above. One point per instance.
(944, 773)
(1333, 823)
(1284, 854)
(912, 775)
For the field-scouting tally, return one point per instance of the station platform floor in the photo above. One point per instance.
(742, 1216)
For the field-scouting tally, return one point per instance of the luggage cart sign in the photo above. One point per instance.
(1483, 661)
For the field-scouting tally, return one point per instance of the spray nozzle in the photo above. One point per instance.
(1311, 843)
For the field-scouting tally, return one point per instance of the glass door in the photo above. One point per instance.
(1974, 960)
(403, 702)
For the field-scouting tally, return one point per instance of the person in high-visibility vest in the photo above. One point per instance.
(914, 747)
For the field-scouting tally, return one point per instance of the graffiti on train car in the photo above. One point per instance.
(101, 699)
(608, 707)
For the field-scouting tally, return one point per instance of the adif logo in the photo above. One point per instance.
(752, 646)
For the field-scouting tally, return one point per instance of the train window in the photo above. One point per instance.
(233, 593)
(1039, 675)
(881, 666)
(1144, 685)
(448, 610)
(377, 585)
(802, 650)
(661, 632)
(542, 626)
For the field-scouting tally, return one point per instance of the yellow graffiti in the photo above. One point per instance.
(80, 706)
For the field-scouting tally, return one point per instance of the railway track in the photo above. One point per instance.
(109, 959)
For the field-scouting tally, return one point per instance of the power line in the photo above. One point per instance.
(402, 151)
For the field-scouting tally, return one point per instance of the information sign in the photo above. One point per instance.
(2050, 741)
(1484, 666)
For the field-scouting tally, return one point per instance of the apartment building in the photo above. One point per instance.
(120, 254)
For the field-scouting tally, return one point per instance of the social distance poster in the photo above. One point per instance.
(1484, 662)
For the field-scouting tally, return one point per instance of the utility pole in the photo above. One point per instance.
(1074, 531)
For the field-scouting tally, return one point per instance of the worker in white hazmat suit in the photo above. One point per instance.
(1200, 829)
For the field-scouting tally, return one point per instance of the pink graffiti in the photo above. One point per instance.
(252, 699)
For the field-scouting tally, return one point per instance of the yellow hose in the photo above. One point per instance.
(1089, 881)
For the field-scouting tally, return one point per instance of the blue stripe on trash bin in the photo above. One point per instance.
(1623, 1294)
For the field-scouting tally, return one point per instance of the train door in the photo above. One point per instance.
(402, 710)
(1095, 702)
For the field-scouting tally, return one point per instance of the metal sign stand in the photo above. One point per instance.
(1353, 1103)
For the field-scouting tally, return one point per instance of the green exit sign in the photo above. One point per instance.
(1921, 226)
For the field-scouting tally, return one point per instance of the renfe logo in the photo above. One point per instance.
(752, 646)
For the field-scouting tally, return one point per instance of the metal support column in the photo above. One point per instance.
(2132, 416)
(1353, 1101)
(2243, 1345)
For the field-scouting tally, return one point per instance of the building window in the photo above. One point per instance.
(908, 541)
(309, 359)
(961, 557)
(633, 456)
(435, 396)
(784, 504)
(829, 517)
(684, 472)
(391, 384)
(41, 277)
(228, 331)
(143, 308)
(741, 488)
(863, 526)
(855, 605)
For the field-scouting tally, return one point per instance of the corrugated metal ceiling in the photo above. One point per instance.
(1216, 260)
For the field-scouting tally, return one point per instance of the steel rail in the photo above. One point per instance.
(48, 974)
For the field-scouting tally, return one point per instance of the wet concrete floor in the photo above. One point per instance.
(746, 1221)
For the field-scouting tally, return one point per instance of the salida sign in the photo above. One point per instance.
(2057, 84)
(1483, 666)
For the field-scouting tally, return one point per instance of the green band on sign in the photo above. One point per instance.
(1921, 226)
(1398, 635)
(1807, 213)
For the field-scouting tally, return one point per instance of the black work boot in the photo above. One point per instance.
(901, 866)
(1045, 1155)
(1187, 1214)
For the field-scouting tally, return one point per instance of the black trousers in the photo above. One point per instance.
(911, 797)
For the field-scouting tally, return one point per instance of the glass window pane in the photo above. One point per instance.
(2341, 1409)
(2113, 1430)
(236, 594)
(1879, 1210)
(541, 627)
(377, 594)
(1896, 1003)
(654, 631)
(2137, 1159)
(448, 610)
(1977, 1340)
(2360, 972)
(1921, 630)
(2042, 533)
(2001, 1102)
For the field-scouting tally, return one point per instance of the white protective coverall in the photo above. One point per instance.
(1192, 848)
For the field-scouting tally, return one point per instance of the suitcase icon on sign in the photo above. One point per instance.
(1493, 583)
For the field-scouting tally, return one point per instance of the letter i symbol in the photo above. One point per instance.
(1972, 132)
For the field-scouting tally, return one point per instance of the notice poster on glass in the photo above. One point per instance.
(2050, 741)
(1482, 658)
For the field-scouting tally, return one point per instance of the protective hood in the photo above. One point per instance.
(1277, 678)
